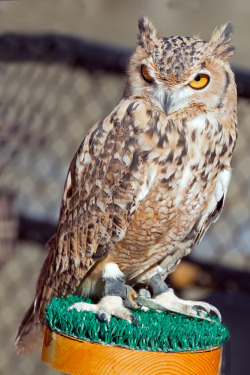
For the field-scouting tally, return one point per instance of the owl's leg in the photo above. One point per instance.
(114, 295)
(165, 297)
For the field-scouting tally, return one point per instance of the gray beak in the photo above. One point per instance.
(167, 103)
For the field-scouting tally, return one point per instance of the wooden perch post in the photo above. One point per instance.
(79, 357)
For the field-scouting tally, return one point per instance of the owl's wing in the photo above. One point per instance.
(101, 191)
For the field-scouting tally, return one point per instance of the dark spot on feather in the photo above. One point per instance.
(93, 140)
(182, 140)
(193, 182)
(130, 109)
(195, 167)
(212, 157)
(141, 25)
(179, 160)
(168, 180)
(170, 157)
(207, 124)
(112, 118)
(89, 241)
(130, 141)
(224, 149)
(135, 161)
(203, 176)
(129, 206)
(193, 135)
(184, 152)
(101, 251)
(117, 221)
(69, 192)
(161, 141)
(150, 133)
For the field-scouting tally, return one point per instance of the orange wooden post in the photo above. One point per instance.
(79, 357)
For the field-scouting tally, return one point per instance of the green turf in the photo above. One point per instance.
(165, 332)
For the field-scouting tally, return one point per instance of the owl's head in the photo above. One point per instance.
(179, 72)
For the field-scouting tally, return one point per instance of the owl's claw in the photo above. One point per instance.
(103, 316)
(134, 319)
(168, 301)
(107, 307)
(205, 309)
(196, 309)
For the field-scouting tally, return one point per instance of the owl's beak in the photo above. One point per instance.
(168, 102)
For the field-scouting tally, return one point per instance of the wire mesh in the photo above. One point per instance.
(45, 112)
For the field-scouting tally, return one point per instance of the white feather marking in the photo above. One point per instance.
(87, 158)
(112, 270)
(137, 175)
(146, 276)
(108, 192)
(68, 186)
(120, 204)
(98, 183)
(222, 184)
(126, 159)
(86, 187)
(186, 176)
(220, 190)
(117, 156)
(198, 122)
(148, 182)
(100, 205)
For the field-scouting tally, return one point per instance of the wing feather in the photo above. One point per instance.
(101, 191)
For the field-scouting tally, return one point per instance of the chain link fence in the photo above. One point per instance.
(52, 90)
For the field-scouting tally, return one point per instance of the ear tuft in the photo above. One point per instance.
(220, 42)
(147, 35)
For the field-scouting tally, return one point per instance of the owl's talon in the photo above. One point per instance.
(205, 309)
(199, 307)
(107, 307)
(202, 311)
(169, 301)
(134, 319)
(103, 316)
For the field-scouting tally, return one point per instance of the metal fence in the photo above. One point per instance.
(52, 90)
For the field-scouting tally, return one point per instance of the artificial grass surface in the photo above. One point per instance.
(163, 331)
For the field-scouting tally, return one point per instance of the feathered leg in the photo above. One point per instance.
(165, 297)
(114, 297)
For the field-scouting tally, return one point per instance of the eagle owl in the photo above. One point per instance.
(146, 182)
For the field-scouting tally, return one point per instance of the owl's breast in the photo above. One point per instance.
(187, 177)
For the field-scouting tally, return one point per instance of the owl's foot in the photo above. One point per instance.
(107, 307)
(115, 294)
(197, 309)
(164, 299)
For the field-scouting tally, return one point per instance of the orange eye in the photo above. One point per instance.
(145, 74)
(200, 81)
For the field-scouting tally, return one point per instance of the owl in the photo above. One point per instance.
(146, 182)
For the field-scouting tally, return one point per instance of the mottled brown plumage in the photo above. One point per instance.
(149, 179)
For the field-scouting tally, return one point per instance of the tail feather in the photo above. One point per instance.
(30, 333)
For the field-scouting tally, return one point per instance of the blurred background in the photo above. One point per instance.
(62, 68)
